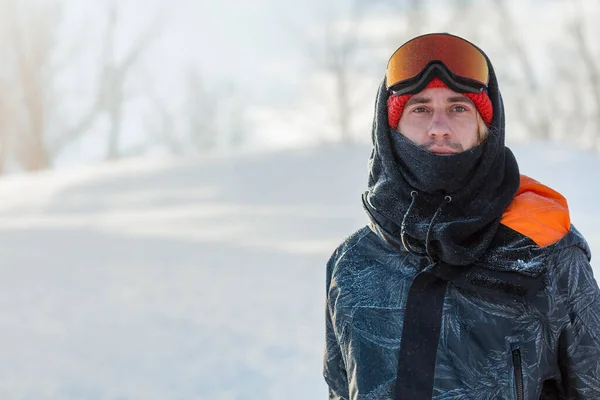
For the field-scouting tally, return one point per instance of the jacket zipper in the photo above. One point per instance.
(518, 370)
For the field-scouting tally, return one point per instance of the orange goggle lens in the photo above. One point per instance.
(462, 58)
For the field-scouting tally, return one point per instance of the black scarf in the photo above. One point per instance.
(446, 207)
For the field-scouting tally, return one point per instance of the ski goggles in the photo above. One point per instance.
(457, 62)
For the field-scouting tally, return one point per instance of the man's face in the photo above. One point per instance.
(441, 121)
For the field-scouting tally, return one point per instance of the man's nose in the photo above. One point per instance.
(439, 126)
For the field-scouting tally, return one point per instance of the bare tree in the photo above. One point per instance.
(336, 53)
(29, 100)
(30, 38)
(216, 115)
(201, 113)
(114, 75)
(160, 123)
(5, 128)
(209, 118)
(339, 50)
(68, 128)
(7, 90)
(232, 124)
(533, 116)
(590, 63)
(237, 129)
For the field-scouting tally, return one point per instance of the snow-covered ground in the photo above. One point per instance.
(197, 279)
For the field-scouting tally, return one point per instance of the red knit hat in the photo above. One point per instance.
(481, 100)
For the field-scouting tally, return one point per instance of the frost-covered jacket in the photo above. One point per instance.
(529, 332)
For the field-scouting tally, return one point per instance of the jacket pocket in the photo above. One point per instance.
(518, 373)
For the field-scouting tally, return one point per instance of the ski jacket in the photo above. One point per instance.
(523, 322)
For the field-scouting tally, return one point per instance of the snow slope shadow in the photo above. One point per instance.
(97, 315)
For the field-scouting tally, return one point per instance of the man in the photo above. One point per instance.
(469, 282)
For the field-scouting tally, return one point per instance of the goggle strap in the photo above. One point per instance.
(440, 70)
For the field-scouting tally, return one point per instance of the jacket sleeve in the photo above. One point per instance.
(334, 370)
(579, 344)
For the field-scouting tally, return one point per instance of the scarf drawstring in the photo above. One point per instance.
(405, 243)
(403, 239)
(446, 200)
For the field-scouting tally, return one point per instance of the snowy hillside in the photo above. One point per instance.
(193, 280)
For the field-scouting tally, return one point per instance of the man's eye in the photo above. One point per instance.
(420, 110)
(460, 108)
